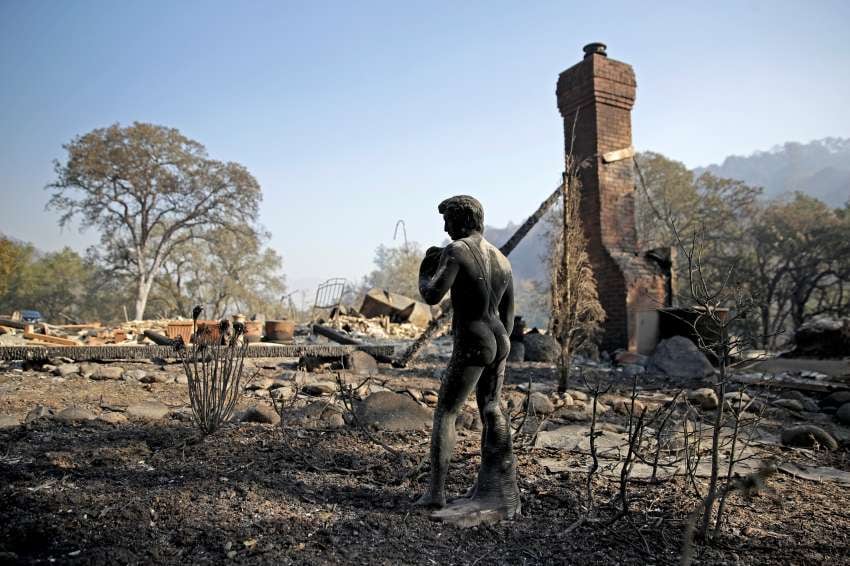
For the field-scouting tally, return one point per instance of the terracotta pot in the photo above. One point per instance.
(182, 328)
(280, 330)
(210, 329)
(253, 330)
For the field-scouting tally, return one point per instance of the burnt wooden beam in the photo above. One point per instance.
(340, 338)
(335, 335)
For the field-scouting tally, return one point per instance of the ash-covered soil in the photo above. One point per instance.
(142, 492)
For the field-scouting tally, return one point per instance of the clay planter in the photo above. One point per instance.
(253, 330)
(211, 329)
(280, 330)
(182, 328)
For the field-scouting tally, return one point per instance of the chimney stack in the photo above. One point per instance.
(595, 99)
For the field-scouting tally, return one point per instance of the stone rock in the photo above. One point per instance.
(135, 375)
(468, 420)
(565, 400)
(333, 419)
(843, 414)
(806, 436)
(540, 403)
(281, 381)
(679, 357)
(790, 404)
(319, 388)
(360, 363)
(578, 395)
(624, 358)
(430, 397)
(822, 337)
(704, 398)
(415, 394)
(74, 414)
(318, 414)
(262, 383)
(158, 377)
(835, 400)
(260, 414)
(577, 412)
(738, 400)
(148, 410)
(517, 353)
(284, 392)
(9, 421)
(86, 370)
(102, 373)
(515, 401)
(112, 417)
(623, 405)
(49, 368)
(64, 370)
(386, 410)
(37, 412)
(541, 348)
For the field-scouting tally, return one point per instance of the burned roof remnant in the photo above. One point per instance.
(379, 302)
(595, 98)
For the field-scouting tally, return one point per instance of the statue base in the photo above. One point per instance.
(466, 513)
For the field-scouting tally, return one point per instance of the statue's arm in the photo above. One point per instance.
(506, 306)
(435, 283)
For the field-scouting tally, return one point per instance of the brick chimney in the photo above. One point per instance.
(632, 285)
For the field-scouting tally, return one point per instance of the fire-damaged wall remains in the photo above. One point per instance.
(595, 98)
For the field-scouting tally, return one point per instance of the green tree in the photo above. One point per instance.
(15, 258)
(59, 283)
(668, 194)
(147, 189)
(229, 272)
(396, 270)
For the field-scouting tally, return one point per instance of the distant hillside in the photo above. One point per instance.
(526, 258)
(820, 168)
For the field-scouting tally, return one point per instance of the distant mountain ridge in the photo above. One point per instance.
(820, 168)
(526, 260)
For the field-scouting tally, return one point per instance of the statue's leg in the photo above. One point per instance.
(456, 387)
(495, 496)
(497, 477)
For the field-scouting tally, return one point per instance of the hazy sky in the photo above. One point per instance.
(353, 115)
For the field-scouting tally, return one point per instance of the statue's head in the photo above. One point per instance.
(463, 215)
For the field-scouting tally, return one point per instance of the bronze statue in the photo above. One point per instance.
(481, 285)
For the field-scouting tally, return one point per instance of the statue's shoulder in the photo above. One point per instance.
(504, 263)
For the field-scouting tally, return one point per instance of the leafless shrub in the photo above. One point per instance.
(214, 373)
(577, 315)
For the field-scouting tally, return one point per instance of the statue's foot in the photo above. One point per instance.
(475, 511)
(429, 501)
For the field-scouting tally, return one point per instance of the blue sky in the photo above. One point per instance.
(353, 115)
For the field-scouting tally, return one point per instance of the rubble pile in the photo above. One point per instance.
(380, 327)
(18, 333)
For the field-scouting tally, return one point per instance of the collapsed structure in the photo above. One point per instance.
(595, 99)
